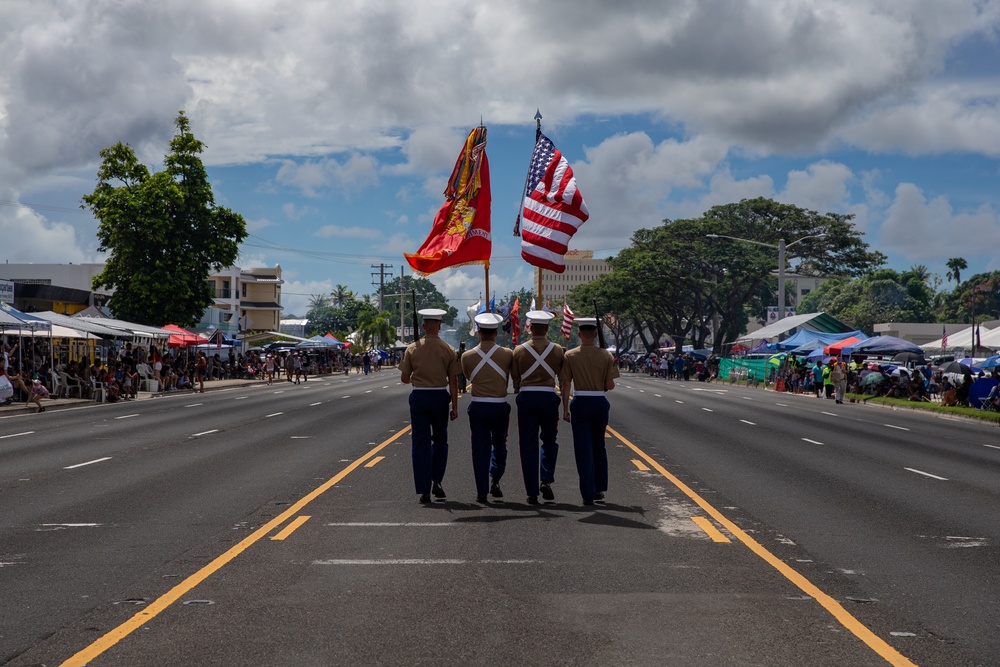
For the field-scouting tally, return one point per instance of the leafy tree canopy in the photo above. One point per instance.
(163, 232)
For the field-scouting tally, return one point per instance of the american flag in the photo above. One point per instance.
(553, 208)
(944, 338)
(568, 317)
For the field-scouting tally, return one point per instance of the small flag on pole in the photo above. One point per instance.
(944, 337)
(567, 323)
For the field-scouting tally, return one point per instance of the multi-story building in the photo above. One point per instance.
(245, 299)
(581, 268)
(62, 288)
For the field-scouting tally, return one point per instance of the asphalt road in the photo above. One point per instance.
(145, 533)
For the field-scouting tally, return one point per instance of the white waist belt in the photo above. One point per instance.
(552, 389)
(430, 388)
(588, 393)
(488, 399)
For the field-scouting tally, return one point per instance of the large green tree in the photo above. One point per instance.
(163, 232)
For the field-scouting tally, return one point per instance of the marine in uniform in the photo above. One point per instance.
(431, 367)
(487, 366)
(537, 365)
(591, 371)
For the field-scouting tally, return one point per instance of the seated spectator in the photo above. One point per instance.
(962, 395)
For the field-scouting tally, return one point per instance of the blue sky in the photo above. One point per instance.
(331, 127)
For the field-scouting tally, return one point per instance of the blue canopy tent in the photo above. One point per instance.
(882, 346)
(804, 336)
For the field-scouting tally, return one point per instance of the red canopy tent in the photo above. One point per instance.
(836, 348)
(183, 337)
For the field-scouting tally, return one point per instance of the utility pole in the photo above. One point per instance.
(381, 281)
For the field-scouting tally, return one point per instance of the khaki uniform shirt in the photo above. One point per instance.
(523, 360)
(488, 383)
(430, 362)
(589, 367)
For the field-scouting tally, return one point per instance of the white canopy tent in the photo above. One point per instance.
(961, 338)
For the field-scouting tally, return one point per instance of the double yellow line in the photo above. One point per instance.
(853, 625)
(161, 603)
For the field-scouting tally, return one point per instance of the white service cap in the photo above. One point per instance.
(585, 322)
(539, 317)
(432, 313)
(488, 321)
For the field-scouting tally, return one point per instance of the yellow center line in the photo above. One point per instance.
(640, 465)
(853, 625)
(119, 633)
(374, 462)
(291, 528)
(707, 526)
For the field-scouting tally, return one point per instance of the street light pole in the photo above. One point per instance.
(781, 247)
(781, 279)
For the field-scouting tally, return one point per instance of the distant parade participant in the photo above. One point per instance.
(537, 364)
(430, 365)
(487, 366)
(591, 371)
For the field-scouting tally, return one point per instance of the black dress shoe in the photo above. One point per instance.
(438, 491)
(599, 496)
(546, 491)
(482, 500)
(495, 490)
(532, 500)
(425, 498)
(588, 502)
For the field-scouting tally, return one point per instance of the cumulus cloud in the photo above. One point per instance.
(922, 229)
(336, 231)
(351, 176)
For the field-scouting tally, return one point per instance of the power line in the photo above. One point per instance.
(41, 208)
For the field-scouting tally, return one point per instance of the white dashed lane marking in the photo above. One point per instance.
(815, 442)
(14, 435)
(80, 465)
(196, 435)
(898, 428)
(273, 414)
(746, 422)
(127, 416)
(926, 474)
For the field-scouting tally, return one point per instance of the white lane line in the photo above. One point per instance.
(657, 395)
(193, 405)
(746, 422)
(782, 405)
(926, 474)
(240, 398)
(70, 525)
(832, 414)
(387, 524)
(991, 446)
(127, 416)
(214, 430)
(273, 414)
(676, 401)
(708, 410)
(14, 435)
(300, 437)
(313, 405)
(80, 465)
(898, 428)
(746, 398)
(422, 561)
(345, 396)
(815, 442)
(369, 391)
(280, 392)
(386, 387)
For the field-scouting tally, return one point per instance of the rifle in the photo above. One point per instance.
(600, 328)
(416, 324)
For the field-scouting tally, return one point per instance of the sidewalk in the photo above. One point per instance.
(18, 407)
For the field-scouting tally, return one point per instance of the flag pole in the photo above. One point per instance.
(486, 272)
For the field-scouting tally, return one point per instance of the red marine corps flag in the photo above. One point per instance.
(553, 208)
(461, 231)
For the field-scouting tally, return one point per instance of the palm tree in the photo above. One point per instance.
(376, 327)
(341, 295)
(955, 267)
(318, 301)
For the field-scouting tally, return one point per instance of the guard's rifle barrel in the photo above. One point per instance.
(416, 324)
(600, 328)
